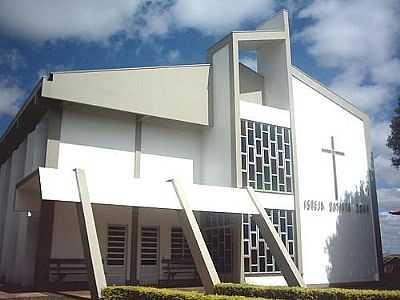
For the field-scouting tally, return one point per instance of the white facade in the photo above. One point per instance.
(96, 140)
(333, 240)
(271, 130)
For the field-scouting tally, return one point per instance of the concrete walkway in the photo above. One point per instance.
(30, 296)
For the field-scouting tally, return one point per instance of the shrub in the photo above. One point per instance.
(296, 293)
(148, 293)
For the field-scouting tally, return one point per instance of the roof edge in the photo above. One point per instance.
(251, 70)
(131, 68)
(28, 100)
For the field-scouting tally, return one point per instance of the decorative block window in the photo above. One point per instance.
(257, 255)
(266, 157)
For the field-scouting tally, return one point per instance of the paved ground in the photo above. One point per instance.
(11, 292)
(83, 294)
(30, 296)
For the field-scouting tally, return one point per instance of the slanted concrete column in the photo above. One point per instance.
(278, 249)
(91, 248)
(202, 259)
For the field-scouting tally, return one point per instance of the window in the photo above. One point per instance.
(179, 246)
(257, 255)
(266, 157)
(116, 245)
(217, 232)
(149, 246)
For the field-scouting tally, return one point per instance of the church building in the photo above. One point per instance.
(190, 175)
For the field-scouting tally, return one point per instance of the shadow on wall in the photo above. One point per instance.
(351, 250)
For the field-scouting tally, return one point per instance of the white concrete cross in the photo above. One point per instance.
(334, 153)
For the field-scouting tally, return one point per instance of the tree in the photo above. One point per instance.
(393, 140)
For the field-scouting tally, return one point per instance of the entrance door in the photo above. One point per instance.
(116, 254)
(149, 255)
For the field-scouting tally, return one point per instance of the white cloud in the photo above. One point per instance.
(359, 39)
(379, 134)
(98, 20)
(11, 58)
(154, 18)
(251, 62)
(389, 199)
(347, 32)
(208, 16)
(389, 72)
(386, 174)
(43, 20)
(369, 97)
(9, 95)
(173, 56)
(212, 16)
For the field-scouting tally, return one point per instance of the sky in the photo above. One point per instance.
(353, 47)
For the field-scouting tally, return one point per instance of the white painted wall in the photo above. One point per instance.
(264, 114)
(102, 142)
(68, 243)
(20, 256)
(28, 229)
(60, 185)
(20, 234)
(272, 65)
(274, 280)
(97, 140)
(4, 186)
(170, 149)
(12, 220)
(251, 85)
(216, 143)
(342, 247)
(276, 200)
(148, 91)
(39, 154)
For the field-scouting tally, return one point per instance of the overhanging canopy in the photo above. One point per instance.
(60, 185)
(75, 186)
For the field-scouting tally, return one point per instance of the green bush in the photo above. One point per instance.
(296, 293)
(148, 293)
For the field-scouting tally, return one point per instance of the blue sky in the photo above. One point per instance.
(351, 46)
